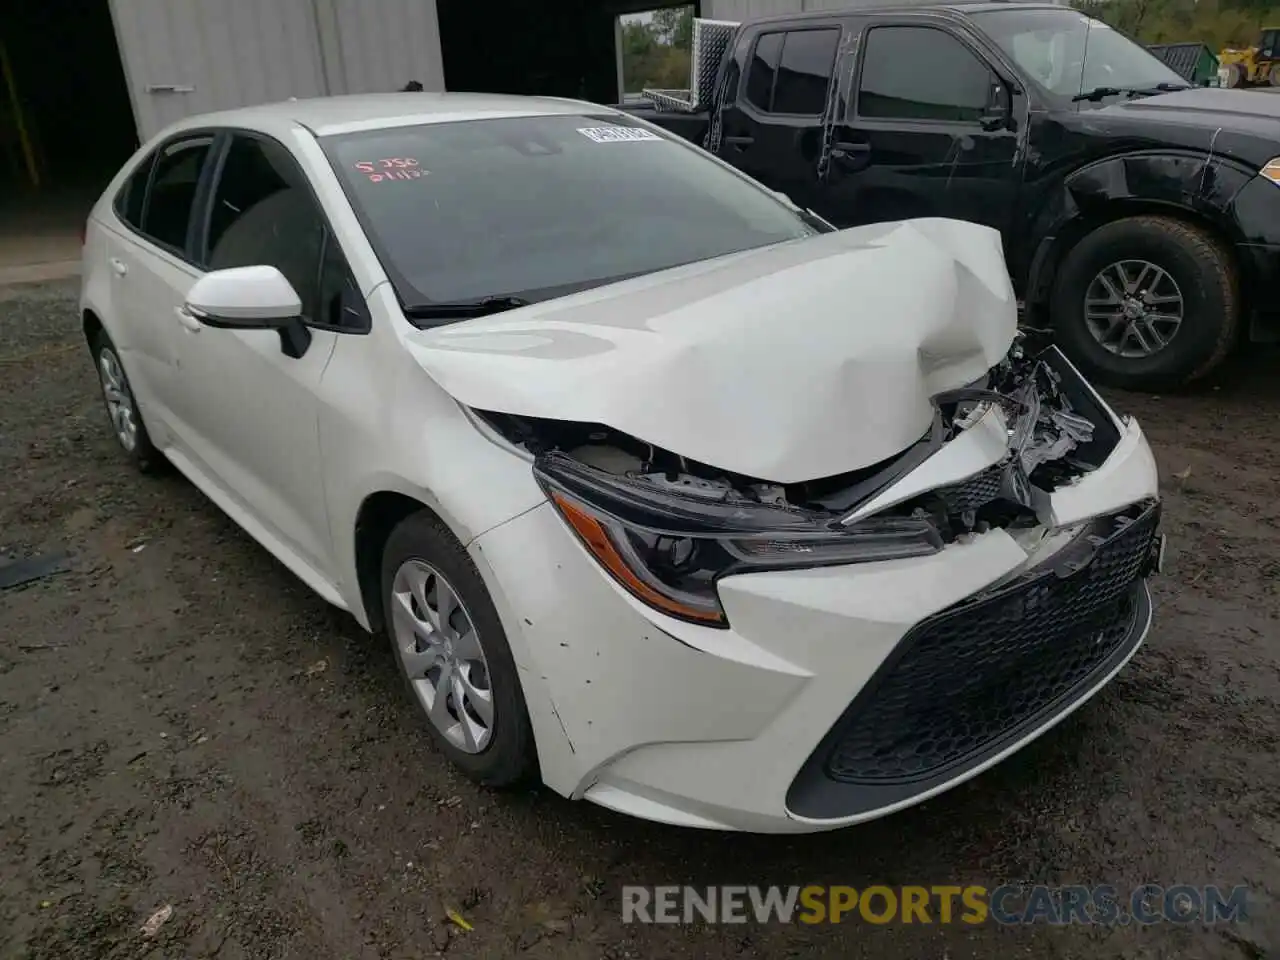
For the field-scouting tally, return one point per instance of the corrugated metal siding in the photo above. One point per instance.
(229, 53)
(234, 53)
(368, 51)
(746, 9)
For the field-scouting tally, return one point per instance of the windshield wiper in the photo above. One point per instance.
(1165, 88)
(461, 309)
(1099, 93)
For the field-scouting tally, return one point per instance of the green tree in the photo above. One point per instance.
(656, 50)
(1215, 23)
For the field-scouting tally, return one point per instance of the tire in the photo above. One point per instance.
(1235, 76)
(1273, 75)
(508, 756)
(123, 413)
(1203, 277)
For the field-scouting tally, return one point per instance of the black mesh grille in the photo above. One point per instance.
(973, 493)
(970, 674)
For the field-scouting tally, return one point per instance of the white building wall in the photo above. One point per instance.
(191, 56)
(183, 57)
(367, 53)
(746, 9)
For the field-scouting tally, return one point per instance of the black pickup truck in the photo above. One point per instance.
(1140, 217)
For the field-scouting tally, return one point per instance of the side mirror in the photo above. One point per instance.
(244, 298)
(248, 298)
(999, 113)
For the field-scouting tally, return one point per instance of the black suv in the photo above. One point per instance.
(1140, 216)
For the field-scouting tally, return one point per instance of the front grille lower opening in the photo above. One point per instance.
(968, 676)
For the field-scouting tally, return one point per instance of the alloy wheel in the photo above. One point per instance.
(119, 399)
(439, 648)
(1133, 308)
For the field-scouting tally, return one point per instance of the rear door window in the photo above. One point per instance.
(166, 214)
(804, 73)
(791, 72)
(764, 70)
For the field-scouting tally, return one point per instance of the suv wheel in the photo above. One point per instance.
(122, 406)
(1146, 303)
(453, 653)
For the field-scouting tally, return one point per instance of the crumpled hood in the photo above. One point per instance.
(798, 361)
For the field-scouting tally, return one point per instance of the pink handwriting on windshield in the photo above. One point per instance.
(390, 168)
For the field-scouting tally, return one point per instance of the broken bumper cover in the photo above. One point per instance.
(831, 695)
(976, 678)
(731, 728)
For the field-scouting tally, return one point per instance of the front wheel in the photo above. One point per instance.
(1146, 303)
(1235, 76)
(453, 653)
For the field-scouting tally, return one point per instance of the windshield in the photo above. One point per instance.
(536, 207)
(1068, 53)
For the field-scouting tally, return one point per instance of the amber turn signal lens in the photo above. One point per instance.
(597, 540)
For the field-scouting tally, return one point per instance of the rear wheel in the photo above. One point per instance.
(1146, 303)
(1273, 75)
(122, 406)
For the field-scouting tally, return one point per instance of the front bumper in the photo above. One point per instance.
(744, 728)
(970, 683)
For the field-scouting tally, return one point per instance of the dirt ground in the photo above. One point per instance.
(183, 723)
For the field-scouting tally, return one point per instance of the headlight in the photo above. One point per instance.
(1271, 170)
(668, 548)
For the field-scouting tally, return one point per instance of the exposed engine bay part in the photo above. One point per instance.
(1052, 426)
(667, 528)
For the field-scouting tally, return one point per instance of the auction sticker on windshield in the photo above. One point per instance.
(617, 134)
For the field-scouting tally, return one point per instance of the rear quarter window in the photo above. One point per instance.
(131, 196)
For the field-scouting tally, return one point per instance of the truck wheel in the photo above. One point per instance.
(1235, 76)
(1146, 303)
(1273, 77)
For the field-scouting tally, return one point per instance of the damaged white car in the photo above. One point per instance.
(665, 492)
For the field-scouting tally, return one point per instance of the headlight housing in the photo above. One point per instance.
(1271, 170)
(668, 548)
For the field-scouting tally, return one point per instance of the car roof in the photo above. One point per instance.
(958, 7)
(325, 116)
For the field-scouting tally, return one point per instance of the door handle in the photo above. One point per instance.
(740, 141)
(188, 319)
(118, 266)
(850, 155)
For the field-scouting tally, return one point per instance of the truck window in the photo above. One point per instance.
(790, 72)
(956, 87)
(764, 70)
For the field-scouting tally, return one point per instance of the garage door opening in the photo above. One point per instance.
(512, 46)
(654, 49)
(66, 124)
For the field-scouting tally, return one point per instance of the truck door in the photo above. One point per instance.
(929, 133)
(772, 128)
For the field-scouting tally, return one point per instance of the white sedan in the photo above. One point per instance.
(664, 491)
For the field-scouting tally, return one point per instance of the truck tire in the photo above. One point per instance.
(1146, 303)
(1235, 76)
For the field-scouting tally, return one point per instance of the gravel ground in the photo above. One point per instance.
(183, 723)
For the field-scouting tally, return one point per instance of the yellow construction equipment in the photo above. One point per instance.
(1252, 66)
